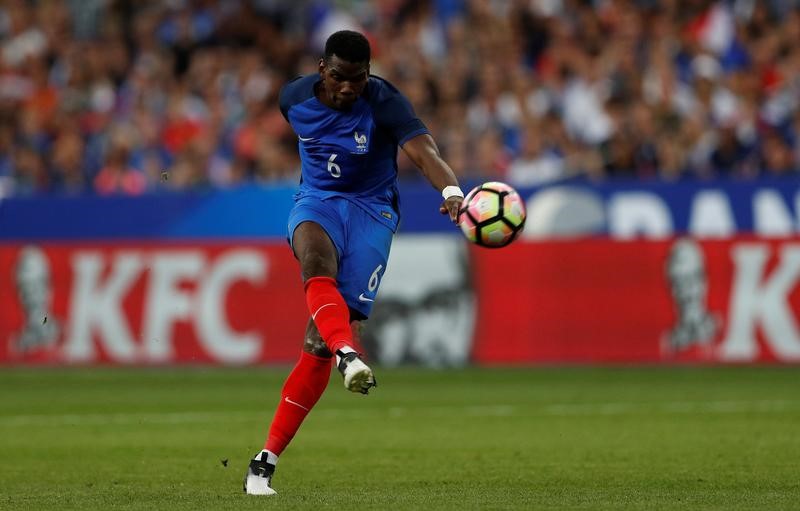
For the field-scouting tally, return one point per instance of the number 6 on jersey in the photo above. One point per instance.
(334, 168)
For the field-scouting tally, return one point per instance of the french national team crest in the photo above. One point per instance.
(361, 141)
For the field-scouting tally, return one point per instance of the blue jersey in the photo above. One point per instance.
(351, 154)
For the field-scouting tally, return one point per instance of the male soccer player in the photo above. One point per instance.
(349, 125)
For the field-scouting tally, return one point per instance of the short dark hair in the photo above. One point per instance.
(348, 45)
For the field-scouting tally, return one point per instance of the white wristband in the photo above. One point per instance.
(452, 191)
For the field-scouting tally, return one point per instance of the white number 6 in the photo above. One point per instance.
(334, 168)
(373, 280)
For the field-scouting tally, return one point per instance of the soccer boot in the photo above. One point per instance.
(357, 375)
(258, 479)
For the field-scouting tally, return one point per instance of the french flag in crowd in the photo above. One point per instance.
(715, 28)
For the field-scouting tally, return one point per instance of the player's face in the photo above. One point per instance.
(342, 81)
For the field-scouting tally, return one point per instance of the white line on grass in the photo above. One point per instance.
(498, 410)
(671, 407)
(92, 419)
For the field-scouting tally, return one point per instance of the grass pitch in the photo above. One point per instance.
(570, 438)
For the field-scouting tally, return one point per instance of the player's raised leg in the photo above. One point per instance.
(329, 311)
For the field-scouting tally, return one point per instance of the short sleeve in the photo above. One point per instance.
(294, 92)
(393, 112)
(283, 101)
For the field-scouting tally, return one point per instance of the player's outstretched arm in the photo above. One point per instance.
(424, 153)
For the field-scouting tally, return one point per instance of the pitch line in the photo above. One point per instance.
(498, 410)
(671, 407)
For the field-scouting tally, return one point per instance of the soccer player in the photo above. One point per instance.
(349, 125)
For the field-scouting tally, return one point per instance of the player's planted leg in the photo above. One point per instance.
(258, 480)
(301, 391)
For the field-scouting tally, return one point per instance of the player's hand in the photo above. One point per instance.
(451, 206)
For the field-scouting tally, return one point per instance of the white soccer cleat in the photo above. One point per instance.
(357, 375)
(259, 476)
(257, 485)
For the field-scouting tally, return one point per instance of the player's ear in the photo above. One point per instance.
(321, 66)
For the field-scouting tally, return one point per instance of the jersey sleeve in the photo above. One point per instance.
(292, 93)
(395, 113)
(283, 101)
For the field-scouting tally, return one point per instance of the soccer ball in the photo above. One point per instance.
(492, 215)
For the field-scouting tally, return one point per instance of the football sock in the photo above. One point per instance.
(271, 457)
(329, 312)
(300, 393)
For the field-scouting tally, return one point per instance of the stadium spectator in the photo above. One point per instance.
(68, 162)
(536, 163)
(705, 87)
(117, 177)
(775, 155)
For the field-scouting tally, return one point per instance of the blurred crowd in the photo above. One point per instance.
(126, 96)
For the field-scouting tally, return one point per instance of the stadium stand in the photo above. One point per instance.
(127, 97)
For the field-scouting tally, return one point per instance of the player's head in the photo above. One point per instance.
(349, 46)
(344, 69)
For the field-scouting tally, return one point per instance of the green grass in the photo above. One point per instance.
(554, 438)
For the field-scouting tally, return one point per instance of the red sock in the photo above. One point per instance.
(302, 390)
(329, 312)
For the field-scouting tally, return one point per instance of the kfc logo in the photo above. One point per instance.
(688, 284)
(141, 305)
(35, 295)
(102, 283)
(425, 314)
(761, 315)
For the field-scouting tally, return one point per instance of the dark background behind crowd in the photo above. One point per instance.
(124, 96)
